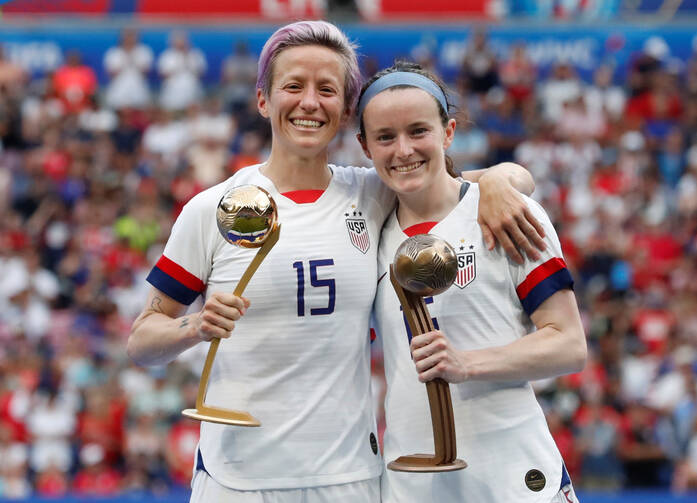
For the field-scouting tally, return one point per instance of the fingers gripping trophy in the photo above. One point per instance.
(426, 265)
(247, 217)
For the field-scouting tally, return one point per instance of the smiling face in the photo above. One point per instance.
(306, 104)
(406, 139)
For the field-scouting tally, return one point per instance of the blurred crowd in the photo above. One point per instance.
(92, 177)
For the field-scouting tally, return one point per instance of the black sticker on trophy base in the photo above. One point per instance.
(535, 480)
(373, 443)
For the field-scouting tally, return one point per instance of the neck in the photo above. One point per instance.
(432, 204)
(296, 172)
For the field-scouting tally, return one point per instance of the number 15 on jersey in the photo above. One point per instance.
(315, 282)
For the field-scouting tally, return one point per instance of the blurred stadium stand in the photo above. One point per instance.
(597, 99)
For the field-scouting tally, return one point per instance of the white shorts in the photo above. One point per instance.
(565, 495)
(207, 490)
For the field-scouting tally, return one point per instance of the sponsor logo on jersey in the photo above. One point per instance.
(466, 269)
(535, 480)
(358, 231)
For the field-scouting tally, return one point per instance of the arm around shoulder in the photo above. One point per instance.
(510, 172)
(504, 215)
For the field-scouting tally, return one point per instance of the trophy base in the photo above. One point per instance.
(424, 463)
(230, 417)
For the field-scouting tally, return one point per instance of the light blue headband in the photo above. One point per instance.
(402, 79)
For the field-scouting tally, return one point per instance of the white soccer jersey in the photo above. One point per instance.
(500, 427)
(299, 360)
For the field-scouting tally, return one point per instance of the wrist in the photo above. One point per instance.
(509, 174)
(189, 328)
(477, 363)
(463, 367)
(494, 176)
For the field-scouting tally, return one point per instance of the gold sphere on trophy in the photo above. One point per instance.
(246, 217)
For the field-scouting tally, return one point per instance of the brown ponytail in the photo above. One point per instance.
(449, 167)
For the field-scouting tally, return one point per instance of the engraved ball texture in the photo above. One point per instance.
(246, 215)
(425, 265)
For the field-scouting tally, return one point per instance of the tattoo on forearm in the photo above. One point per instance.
(184, 323)
(155, 305)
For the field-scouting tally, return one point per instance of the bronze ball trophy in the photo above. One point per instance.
(426, 265)
(247, 217)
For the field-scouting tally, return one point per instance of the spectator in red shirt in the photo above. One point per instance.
(566, 442)
(608, 180)
(654, 52)
(518, 74)
(96, 477)
(661, 247)
(653, 322)
(51, 483)
(101, 423)
(183, 188)
(182, 440)
(75, 83)
(661, 102)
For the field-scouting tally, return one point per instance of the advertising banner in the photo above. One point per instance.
(262, 9)
(387, 10)
(199, 9)
(41, 49)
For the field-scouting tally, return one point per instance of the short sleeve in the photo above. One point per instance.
(383, 197)
(182, 270)
(537, 281)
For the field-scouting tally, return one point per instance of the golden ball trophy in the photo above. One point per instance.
(425, 265)
(247, 217)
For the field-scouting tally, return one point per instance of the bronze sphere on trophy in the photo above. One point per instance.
(426, 265)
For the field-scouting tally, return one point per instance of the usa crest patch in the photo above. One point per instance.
(466, 269)
(358, 232)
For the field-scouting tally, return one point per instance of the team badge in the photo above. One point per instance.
(358, 231)
(466, 269)
(535, 480)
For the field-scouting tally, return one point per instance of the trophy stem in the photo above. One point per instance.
(271, 240)
(204, 412)
(439, 399)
